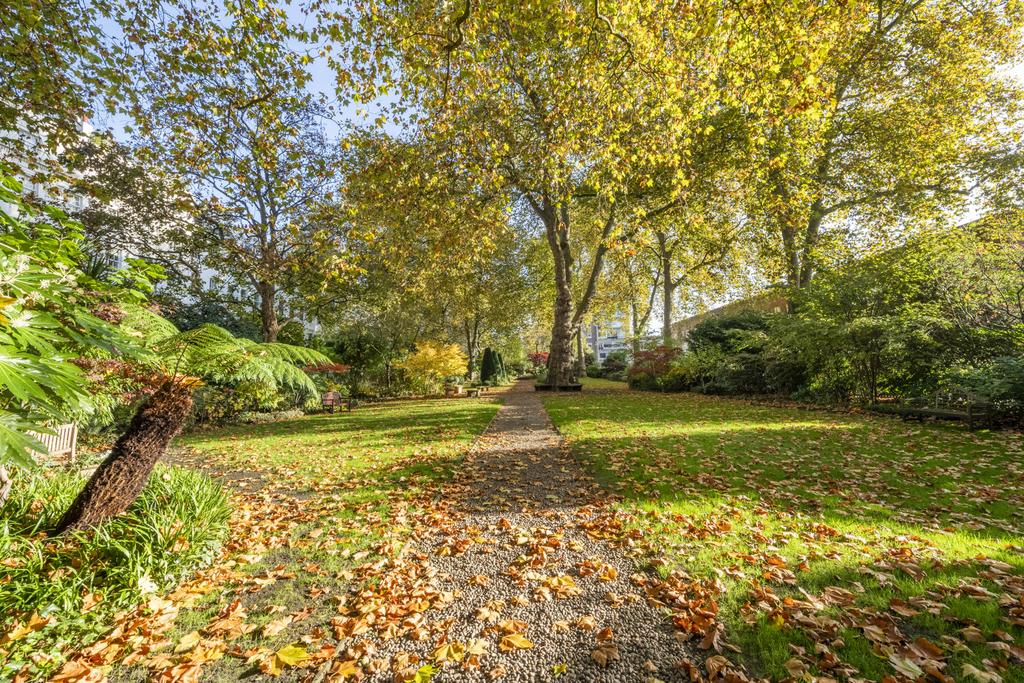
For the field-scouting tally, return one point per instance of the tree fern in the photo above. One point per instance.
(213, 353)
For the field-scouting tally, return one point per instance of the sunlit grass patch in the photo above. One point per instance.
(57, 593)
(317, 501)
(922, 526)
(603, 384)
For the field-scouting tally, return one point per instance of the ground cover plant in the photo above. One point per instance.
(176, 525)
(320, 505)
(798, 542)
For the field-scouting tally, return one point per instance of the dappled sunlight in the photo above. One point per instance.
(844, 536)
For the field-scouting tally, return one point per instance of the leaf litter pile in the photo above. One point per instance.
(802, 545)
(784, 544)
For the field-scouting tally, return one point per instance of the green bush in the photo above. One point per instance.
(1000, 381)
(489, 367)
(739, 374)
(175, 526)
(615, 362)
(594, 371)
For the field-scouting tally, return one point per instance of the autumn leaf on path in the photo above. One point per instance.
(289, 655)
(514, 641)
(450, 652)
(605, 654)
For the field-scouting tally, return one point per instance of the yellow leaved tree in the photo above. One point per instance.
(432, 363)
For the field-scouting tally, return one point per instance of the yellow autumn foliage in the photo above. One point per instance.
(432, 362)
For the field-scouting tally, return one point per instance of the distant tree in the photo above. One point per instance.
(136, 209)
(223, 103)
(567, 107)
(915, 113)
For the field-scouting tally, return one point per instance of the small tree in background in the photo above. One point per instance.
(500, 362)
(488, 367)
(432, 363)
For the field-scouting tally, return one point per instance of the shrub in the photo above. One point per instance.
(616, 362)
(739, 373)
(432, 363)
(1001, 381)
(649, 366)
(489, 367)
(741, 331)
(175, 526)
(594, 371)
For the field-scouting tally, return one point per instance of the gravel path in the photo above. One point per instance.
(516, 559)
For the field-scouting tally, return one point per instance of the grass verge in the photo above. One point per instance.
(826, 544)
(56, 593)
(323, 505)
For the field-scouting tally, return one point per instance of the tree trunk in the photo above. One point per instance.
(666, 305)
(581, 357)
(635, 325)
(117, 482)
(560, 356)
(471, 347)
(268, 311)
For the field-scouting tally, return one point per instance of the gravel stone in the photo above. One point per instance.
(517, 482)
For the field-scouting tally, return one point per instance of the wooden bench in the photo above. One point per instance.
(333, 399)
(473, 392)
(949, 404)
(64, 441)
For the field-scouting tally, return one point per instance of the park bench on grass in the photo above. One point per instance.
(948, 404)
(334, 399)
(64, 441)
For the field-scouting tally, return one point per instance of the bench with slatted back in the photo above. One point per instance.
(334, 399)
(64, 441)
(949, 404)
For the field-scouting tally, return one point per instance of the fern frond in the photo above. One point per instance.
(212, 352)
(144, 324)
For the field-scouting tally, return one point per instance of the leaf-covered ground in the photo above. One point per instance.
(321, 504)
(800, 543)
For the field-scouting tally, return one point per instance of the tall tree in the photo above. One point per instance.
(223, 101)
(915, 113)
(566, 104)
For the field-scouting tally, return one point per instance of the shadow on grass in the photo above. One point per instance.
(771, 474)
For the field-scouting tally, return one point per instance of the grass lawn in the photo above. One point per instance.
(320, 504)
(836, 544)
(602, 384)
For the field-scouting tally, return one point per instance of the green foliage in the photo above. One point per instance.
(890, 323)
(175, 526)
(190, 315)
(489, 367)
(1001, 381)
(616, 362)
(46, 322)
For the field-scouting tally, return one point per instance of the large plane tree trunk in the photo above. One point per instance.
(560, 355)
(118, 481)
(668, 294)
(568, 314)
(269, 322)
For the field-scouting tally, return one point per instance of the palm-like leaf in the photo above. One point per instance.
(213, 353)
